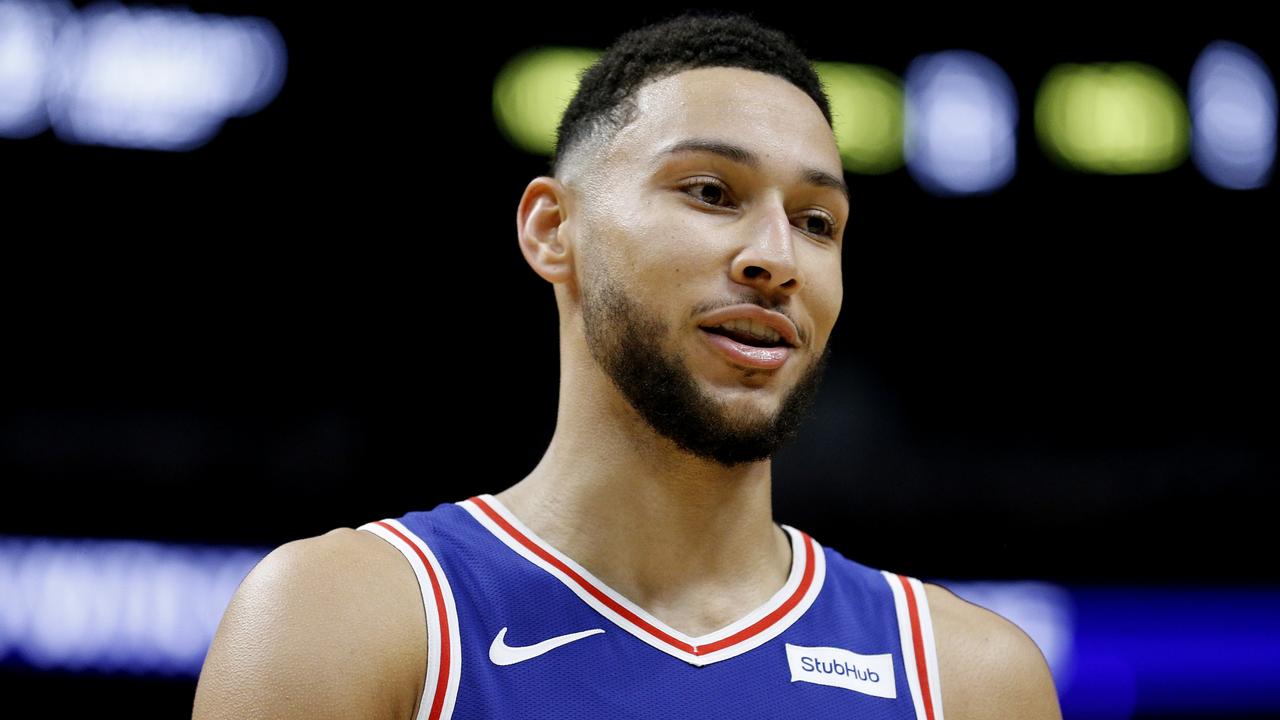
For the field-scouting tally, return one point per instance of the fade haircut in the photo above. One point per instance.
(605, 100)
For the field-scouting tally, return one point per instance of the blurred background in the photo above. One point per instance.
(261, 275)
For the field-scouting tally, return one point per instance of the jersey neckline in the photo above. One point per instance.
(783, 609)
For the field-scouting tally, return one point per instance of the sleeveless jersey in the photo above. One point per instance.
(517, 629)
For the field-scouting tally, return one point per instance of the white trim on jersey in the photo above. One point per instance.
(435, 703)
(904, 607)
(808, 570)
(930, 648)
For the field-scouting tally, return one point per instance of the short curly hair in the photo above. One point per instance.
(605, 100)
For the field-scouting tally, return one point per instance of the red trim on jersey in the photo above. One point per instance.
(918, 641)
(442, 682)
(755, 629)
(777, 614)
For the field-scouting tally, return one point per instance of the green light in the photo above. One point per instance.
(532, 91)
(1115, 118)
(867, 109)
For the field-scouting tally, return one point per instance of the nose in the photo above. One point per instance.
(767, 260)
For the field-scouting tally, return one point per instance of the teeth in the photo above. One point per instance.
(753, 328)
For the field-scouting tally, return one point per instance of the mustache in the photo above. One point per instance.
(747, 298)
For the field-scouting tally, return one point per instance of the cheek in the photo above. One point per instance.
(664, 254)
(838, 302)
(828, 301)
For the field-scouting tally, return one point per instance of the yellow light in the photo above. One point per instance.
(867, 110)
(1114, 118)
(532, 91)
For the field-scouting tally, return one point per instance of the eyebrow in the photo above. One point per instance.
(743, 156)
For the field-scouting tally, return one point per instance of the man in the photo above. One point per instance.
(692, 231)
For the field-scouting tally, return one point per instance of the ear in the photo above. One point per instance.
(543, 224)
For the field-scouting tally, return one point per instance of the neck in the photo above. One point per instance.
(687, 539)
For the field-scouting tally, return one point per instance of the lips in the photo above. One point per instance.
(746, 311)
(749, 356)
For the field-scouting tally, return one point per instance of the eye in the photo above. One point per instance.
(820, 224)
(707, 190)
(710, 191)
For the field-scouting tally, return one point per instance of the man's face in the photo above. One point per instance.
(667, 238)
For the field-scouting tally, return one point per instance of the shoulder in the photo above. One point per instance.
(988, 667)
(327, 626)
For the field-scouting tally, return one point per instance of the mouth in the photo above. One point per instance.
(753, 326)
(747, 351)
(744, 338)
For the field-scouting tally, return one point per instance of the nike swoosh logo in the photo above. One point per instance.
(503, 654)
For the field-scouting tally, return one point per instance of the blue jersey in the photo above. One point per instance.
(519, 630)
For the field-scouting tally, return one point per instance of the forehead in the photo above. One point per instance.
(761, 112)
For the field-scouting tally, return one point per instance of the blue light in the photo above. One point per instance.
(1176, 650)
(144, 607)
(1115, 652)
(130, 606)
(27, 30)
(1233, 114)
(961, 123)
(140, 77)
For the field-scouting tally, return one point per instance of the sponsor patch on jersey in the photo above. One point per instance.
(837, 667)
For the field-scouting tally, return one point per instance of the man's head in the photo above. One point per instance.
(696, 174)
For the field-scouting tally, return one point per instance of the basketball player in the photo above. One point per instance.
(692, 232)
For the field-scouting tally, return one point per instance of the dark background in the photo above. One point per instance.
(301, 325)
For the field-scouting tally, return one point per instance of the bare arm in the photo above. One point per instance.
(989, 668)
(326, 627)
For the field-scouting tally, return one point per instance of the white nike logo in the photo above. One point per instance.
(503, 654)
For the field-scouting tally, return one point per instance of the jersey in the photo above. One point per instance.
(517, 629)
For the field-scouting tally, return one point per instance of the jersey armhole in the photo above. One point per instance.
(444, 658)
(919, 651)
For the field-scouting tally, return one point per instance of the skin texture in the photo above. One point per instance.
(325, 627)
(658, 476)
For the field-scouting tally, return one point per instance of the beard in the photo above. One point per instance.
(627, 343)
